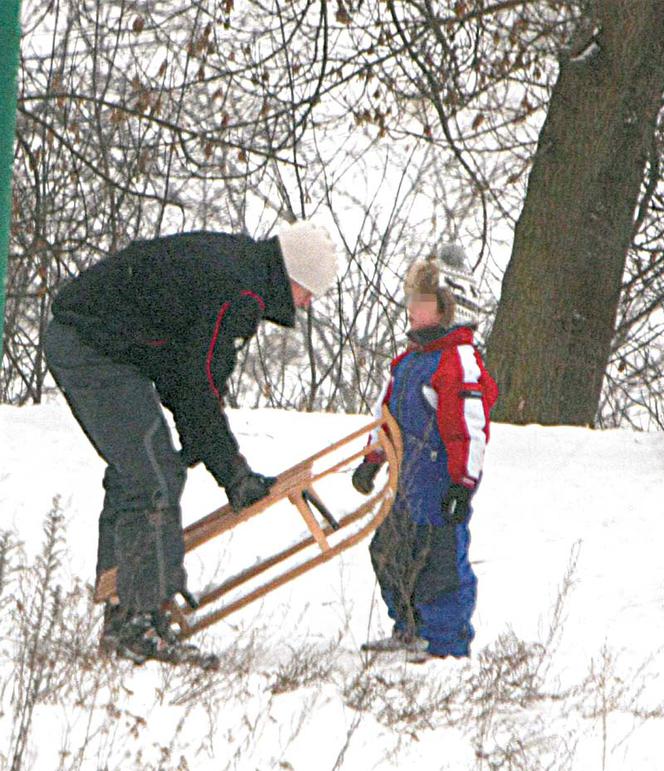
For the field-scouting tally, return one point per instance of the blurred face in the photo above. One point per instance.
(423, 311)
(301, 296)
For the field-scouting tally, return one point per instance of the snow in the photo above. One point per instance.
(288, 692)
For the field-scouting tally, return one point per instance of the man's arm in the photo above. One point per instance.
(206, 361)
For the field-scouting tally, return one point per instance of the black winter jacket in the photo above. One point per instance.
(178, 308)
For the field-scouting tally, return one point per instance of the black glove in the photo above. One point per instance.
(364, 475)
(456, 504)
(247, 487)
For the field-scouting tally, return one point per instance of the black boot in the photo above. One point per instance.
(149, 636)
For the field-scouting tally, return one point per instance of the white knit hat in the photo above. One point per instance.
(310, 256)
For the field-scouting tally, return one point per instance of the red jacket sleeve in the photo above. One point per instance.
(465, 394)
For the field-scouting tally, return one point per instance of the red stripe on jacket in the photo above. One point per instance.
(258, 298)
(210, 353)
(215, 336)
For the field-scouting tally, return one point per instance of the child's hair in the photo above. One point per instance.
(424, 278)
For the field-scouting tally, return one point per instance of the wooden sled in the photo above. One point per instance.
(295, 485)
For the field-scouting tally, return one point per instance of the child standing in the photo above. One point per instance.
(441, 395)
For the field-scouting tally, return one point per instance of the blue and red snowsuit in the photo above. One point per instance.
(441, 395)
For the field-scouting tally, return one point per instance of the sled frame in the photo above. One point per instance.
(296, 485)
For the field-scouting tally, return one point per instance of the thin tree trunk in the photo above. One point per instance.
(551, 340)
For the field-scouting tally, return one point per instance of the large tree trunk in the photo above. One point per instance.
(551, 340)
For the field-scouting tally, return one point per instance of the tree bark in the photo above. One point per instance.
(551, 340)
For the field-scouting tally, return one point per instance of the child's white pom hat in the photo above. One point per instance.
(457, 277)
(310, 256)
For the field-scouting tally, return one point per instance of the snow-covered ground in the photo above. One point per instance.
(550, 497)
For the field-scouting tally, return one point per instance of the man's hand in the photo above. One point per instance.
(364, 476)
(247, 487)
(456, 504)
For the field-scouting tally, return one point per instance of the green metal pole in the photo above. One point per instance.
(9, 44)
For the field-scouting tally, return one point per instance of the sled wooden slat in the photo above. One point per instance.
(225, 518)
(303, 507)
(394, 454)
(290, 486)
(180, 619)
(252, 572)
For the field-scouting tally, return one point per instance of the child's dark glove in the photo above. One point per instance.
(364, 476)
(247, 487)
(456, 504)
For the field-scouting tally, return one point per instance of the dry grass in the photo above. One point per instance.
(505, 702)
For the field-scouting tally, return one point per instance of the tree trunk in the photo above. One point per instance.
(551, 340)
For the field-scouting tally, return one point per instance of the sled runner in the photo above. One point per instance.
(326, 539)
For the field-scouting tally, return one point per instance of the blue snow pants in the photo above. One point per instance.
(422, 562)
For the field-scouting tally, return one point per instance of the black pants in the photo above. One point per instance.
(140, 527)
